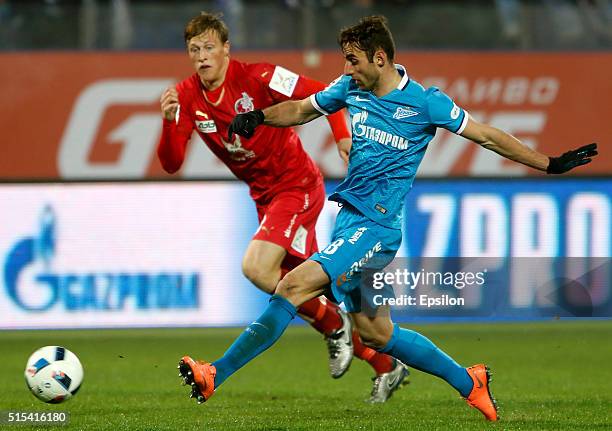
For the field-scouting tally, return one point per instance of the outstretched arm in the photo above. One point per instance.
(285, 114)
(290, 113)
(276, 79)
(337, 120)
(511, 148)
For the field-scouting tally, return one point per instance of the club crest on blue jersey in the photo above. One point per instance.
(403, 112)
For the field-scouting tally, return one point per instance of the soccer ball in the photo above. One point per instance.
(53, 374)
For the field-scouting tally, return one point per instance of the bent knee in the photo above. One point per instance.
(375, 339)
(263, 278)
(295, 289)
(288, 285)
(250, 270)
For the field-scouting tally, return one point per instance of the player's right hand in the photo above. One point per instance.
(169, 103)
(571, 159)
(344, 149)
(245, 124)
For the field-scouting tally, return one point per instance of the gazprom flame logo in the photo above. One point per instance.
(358, 123)
(32, 284)
(27, 251)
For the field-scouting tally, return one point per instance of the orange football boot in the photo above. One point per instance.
(481, 397)
(200, 375)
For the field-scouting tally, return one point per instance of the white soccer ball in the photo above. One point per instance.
(53, 374)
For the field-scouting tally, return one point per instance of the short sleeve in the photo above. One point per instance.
(333, 97)
(443, 112)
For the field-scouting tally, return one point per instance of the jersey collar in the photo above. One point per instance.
(405, 80)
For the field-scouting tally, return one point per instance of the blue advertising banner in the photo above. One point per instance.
(169, 254)
(521, 218)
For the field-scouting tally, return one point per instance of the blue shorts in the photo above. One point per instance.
(359, 244)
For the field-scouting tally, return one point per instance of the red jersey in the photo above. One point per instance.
(273, 160)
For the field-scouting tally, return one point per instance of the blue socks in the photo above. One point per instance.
(256, 338)
(417, 351)
(410, 347)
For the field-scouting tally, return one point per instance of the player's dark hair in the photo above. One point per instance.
(368, 35)
(205, 22)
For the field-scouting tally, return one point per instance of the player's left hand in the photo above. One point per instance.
(571, 159)
(245, 124)
(344, 149)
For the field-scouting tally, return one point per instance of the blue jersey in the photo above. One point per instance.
(390, 135)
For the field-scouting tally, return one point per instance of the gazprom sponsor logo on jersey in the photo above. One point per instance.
(374, 134)
(30, 261)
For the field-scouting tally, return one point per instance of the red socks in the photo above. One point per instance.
(379, 361)
(323, 313)
(326, 320)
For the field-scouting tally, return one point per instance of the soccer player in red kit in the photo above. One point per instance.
(284, 182)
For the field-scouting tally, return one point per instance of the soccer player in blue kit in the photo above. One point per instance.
(393, 119)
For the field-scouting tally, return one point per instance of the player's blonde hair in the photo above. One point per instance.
(368, 35)
(204, 22)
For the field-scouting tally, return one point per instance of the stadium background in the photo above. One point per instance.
(80, 103)
(93, 234)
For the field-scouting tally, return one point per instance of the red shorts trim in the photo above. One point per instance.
(289, 221)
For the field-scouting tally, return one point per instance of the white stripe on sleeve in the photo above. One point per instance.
(313, 100)
(466, 117)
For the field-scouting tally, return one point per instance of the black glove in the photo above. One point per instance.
(245, 124)
(571, 159)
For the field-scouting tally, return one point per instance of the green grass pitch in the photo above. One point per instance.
(547, 376)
